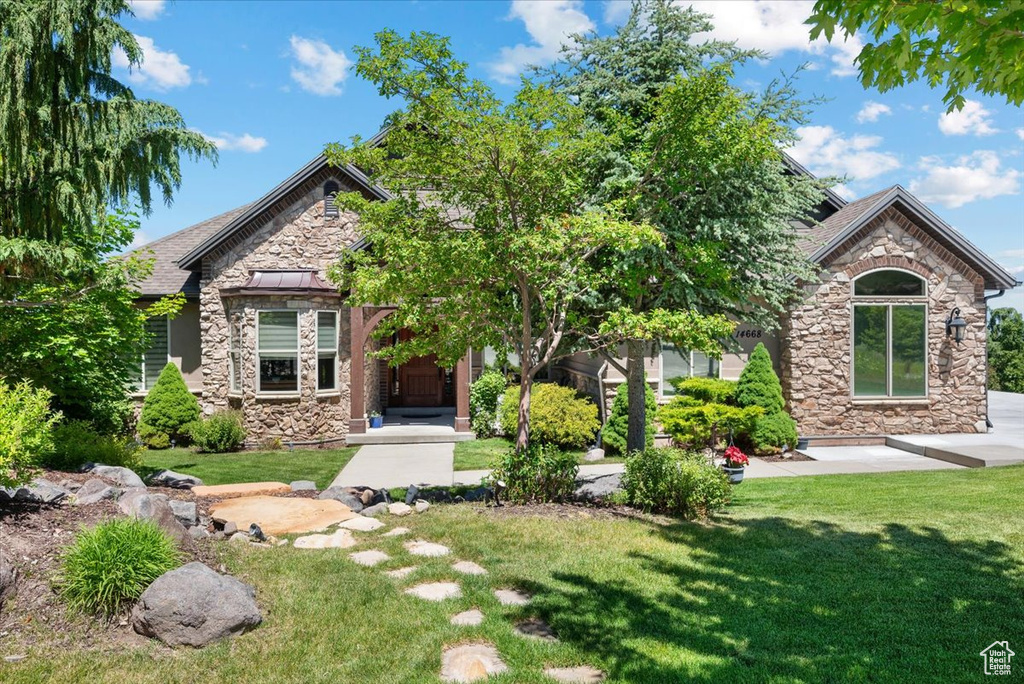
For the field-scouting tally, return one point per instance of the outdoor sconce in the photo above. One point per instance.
(955, 326)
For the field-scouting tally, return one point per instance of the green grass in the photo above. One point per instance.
(883, 577)
(480, 454)
(319, 465)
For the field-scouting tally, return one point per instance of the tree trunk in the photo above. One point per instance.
(636, 396)
(523, 433)
(525, 370)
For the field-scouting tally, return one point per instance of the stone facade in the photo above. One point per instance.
(293, 234)
(817, 340)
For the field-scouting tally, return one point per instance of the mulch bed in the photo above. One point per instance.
(573, 511)
(790, 457)
(32, 537)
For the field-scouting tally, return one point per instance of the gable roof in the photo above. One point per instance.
(796, 167)
(204, 247)
(167, 277)
(823, 239)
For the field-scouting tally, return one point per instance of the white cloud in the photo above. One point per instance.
(973, 177)
(871, 111)
(843, 191)
(1012, 253)
(775, 27)
(240, 143)
(1020, 133)
(321, 70)
(1016, 270)
(160, 69)
(140, 238)
(549, 23)
(617, 11)
(827, 153)
(973, 119)
(147, 10)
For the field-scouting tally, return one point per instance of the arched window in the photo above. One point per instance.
(890, 335)
(330, 208)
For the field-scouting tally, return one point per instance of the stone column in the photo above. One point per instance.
(356, 383)
(462, 378)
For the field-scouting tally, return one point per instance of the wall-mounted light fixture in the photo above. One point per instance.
(955, 326)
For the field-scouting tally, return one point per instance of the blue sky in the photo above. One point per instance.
(271, 83)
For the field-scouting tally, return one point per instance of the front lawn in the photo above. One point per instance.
(882, 577)
(480, 454)
(319, 465)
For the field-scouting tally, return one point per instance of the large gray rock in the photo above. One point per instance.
(344, 496)
(118, 475)
(140, 503)
(375, 510)
(194, 606)
(95, 491)
(169, 478)
(598, 487)
(303, 486)
(8, 579)
(38, 492)
(185, 512)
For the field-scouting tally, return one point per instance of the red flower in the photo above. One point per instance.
(734, 458)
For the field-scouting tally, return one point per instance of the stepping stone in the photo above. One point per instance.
(584, 674)
(397, 532)
(361, 524)
(401, 572)
(535, 628)
(369, 558)
(279, 515)
(342, 539)
(242, 489)
(422, 506)
(425, 548)
(435, 591)
(398, 508)
(470, 663)
(468, 568)
(512, 597)
(468, 618)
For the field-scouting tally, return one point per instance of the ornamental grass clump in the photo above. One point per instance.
(108, 566)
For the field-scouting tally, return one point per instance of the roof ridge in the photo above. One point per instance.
(178, 232)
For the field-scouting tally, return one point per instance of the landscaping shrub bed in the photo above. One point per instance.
(221, 432)
(541, 473)
(674, 481)
(76, 443)
(558, 415)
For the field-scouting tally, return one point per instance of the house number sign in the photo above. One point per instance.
(754, 333)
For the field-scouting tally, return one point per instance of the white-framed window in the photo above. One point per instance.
(235, 350)
(890, 335)
(277, 354)
(157, 355)
(677, 363)
(326, 351)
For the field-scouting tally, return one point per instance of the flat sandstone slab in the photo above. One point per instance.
(241, 489)
(584, 674)
(470, 663)
(435, 591)
(341, 539)
(277, 515)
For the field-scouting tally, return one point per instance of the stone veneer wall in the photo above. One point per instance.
(294, 234)
(817, 343)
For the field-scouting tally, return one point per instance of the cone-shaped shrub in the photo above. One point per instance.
(613, 435)
(758, 384)
(169, 409)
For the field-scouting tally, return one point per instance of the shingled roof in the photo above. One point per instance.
(820, 234)
(167, 277)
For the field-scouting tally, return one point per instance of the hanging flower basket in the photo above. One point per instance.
(735, 464)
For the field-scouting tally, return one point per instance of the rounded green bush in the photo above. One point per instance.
(540, 474)
(613, 434)
(557, 416)
(772, 432)
(707, 390)
(169, 407)
(26, 431)
(109, 566)
(483, 402)
(222, 432)
(674, 481)
(758, 384)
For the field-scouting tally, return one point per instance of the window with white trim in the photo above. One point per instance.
(676, 363)
(157, 354)
(278, 351)
(326, 351)
(890, 335)
(235, 351)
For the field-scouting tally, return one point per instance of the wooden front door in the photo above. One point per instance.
(421, 382)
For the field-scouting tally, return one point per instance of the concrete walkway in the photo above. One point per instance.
(398, 465)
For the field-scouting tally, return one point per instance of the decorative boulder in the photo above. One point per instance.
(141, 504)
(375, 510)
(169, 478)
(195, 606)
(344, 496)
(185, 512)
(303, 486)
(118, 475)
(95, 491)
(8, 579)
(40, 492)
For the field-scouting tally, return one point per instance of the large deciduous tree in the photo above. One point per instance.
(1006, 350)
(73, 139)
(700, 160)
(960, 44)
(490, 238)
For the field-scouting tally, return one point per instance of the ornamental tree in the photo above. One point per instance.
(1006, 350)
(170, 408)
(701, 161)
(961, 44)
(490, 236)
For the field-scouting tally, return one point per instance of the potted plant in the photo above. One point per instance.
(376, 420)
(735, 462)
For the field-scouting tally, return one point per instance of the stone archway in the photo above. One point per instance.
(364, 321)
